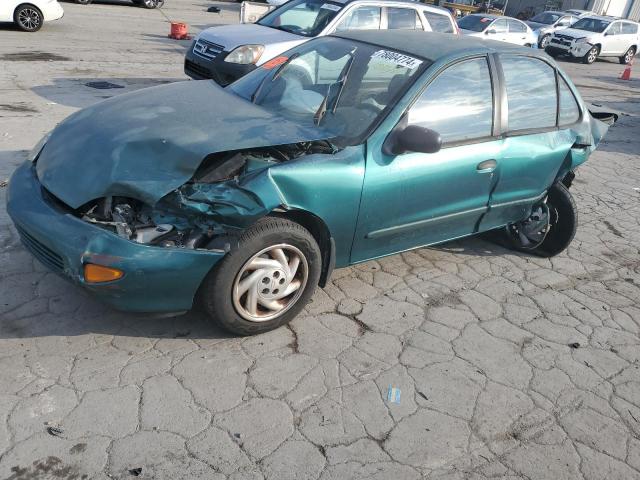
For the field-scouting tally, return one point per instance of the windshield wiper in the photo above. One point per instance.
(275, 76)
(342, 81)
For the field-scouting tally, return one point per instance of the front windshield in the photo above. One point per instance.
(343, 87)
(591, 25)
(302, 17)
(475, 23)
(547, 18)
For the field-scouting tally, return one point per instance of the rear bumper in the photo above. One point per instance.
(156, 279)
(221, 72)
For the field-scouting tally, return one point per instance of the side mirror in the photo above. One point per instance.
(490, 32)
(412, 139)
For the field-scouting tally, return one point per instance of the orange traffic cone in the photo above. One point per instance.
(626, 75)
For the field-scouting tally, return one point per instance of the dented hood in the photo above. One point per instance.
(145, 144)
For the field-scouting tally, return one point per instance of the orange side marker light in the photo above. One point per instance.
(100, 274)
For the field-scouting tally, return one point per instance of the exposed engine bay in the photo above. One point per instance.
(209, 211)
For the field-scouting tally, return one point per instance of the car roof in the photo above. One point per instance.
(433, 46)
(603, 17)
(412, 3)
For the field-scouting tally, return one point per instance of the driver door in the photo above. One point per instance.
(416, 199)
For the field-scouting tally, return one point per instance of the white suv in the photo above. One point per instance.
(597, 36)
(228, 52)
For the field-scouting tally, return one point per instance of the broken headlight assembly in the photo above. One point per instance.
(208, 211)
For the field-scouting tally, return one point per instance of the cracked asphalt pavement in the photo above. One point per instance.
(508, 365)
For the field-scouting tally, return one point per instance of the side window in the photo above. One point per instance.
(500, 26)
(565, 22)
(439, 23)
(629, 28)
(516, 27)
(362, 18)
(614, 29)
(458, 104)
(569, 110)
(531, 92)
(403, 19)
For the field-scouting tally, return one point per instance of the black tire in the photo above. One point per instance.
(217, 291)
(591, 55)
(28, 17)
(562, 225)
(544, 41)
(628, 56)
(551, 53)
(84, 2)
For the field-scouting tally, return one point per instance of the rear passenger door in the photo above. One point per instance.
(517, 32)
(498, 30)
(630, 34)
(538, 136)
(614, 40)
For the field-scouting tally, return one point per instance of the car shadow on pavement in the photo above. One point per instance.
(82, 92)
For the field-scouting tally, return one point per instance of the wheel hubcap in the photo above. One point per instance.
(29, 18)
(544, 42)
(530, 233)
(592, 56)
(270, 283)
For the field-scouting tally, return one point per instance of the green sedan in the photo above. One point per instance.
(342, 150)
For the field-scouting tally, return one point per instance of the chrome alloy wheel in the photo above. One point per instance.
(29, 18)
(270, 283)
(592, 55)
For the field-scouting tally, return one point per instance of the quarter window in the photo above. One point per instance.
(438, 23)
(531, 92)
(362, 18)
(403, 19)
(569, 110)
(458, 104)
(629, 28)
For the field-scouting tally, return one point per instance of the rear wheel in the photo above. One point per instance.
(84, 2)
(264, 282)
(591, 55)
(628, 56)
(550, 227)
(28, 18)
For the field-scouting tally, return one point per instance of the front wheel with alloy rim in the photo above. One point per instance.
(591, 55)
(266, 280)
(544, 41)
(628, 56)
(550, 227)
(28, 18)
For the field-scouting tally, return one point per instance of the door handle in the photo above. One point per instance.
(487, 166)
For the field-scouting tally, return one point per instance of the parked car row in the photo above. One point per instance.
(30, 15)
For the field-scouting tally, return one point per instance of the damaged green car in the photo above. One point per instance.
(342, 150)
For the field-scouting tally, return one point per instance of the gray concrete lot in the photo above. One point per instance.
(509, 366)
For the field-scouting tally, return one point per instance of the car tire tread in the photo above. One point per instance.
(215, 292)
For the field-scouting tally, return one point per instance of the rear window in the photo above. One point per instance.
(439, 23)
(361, 18)
(531, 92)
